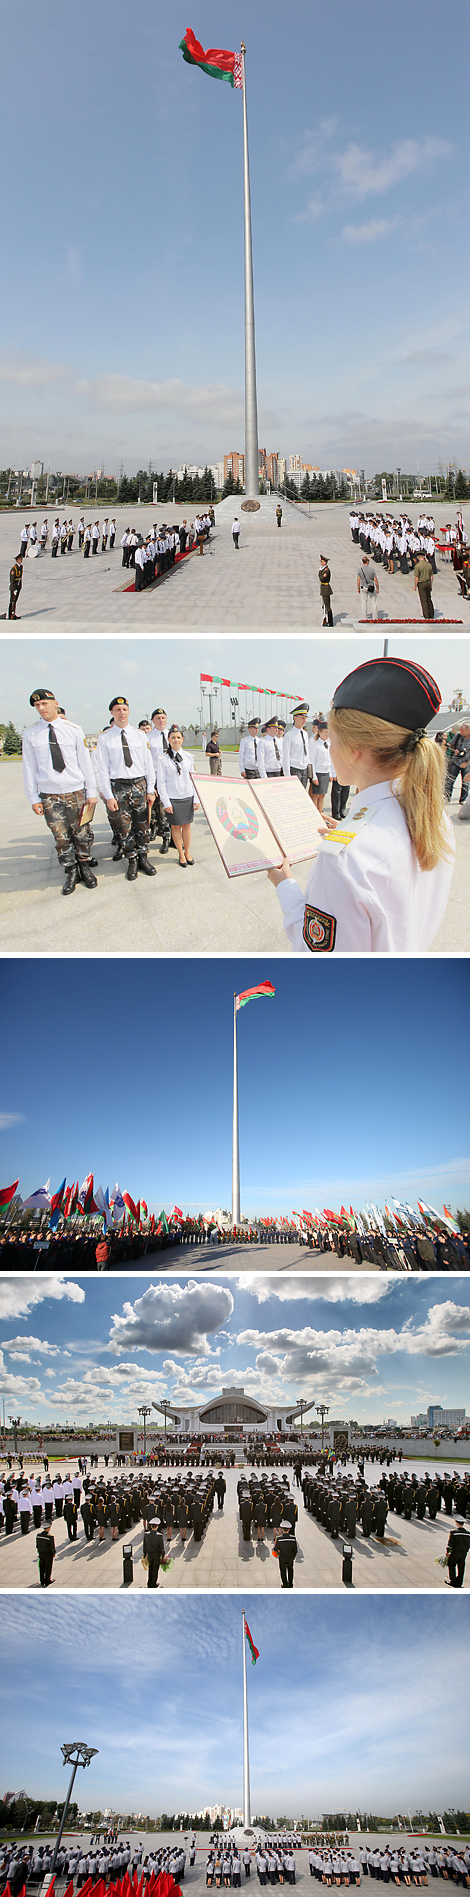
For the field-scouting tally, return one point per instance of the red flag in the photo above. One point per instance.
(6, 1892)
(131, 1208)
(50, 1887)
(69, 1891)
(176, 1213)
(6, 1194)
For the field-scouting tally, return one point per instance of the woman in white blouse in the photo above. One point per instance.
(319, 752)
(176, 789)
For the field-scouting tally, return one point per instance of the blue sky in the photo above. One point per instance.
(341, 1701)
(122, 336)
(153, 672)
(371, 1346)
(341, 1089)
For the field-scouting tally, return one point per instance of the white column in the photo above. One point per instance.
(251, 406)
(235, 1144)
(246, 1756)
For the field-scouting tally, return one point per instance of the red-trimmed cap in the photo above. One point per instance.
(398, 690)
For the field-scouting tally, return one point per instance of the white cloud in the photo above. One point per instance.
(10, 1119)
(363, 175)
(31, 372)
(15, 1345)
(369, 233)
(18, 1296)
(363, 1288)
(172, 1317)
(123, 394)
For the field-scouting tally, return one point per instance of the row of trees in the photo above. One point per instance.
(24, 1814)
(11, 745)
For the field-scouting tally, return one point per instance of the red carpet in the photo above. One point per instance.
(163, 576)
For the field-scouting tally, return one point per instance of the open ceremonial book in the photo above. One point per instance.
(256, 823)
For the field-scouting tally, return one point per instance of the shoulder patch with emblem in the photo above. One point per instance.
(319, 930)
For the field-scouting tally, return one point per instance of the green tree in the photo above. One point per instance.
(463, 1221)
(12, 741)
(461, 488)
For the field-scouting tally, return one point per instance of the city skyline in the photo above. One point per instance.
(371, 1347)
(354, 1687)
(352, 186)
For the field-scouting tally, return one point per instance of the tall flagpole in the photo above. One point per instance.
(246, 1756)
(251, 407)
(235, 1147)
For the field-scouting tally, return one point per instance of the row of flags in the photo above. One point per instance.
(162, 1885)
(90, 1201)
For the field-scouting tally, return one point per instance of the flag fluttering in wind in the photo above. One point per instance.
(40, 1200)
(57, 1206)
(7, 1193)
(254, 994)
(216, 62)
(253, 1650)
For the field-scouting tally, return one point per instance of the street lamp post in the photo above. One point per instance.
(303, 1405)
(145, 1411)
(15, 1424)
(74, 1755)
(323, 1410)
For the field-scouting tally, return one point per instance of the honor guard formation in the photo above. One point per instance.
(147, 559)
(277, 1858)
(173, 1508)
(398, 546)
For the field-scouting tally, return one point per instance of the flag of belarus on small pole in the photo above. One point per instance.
(253, 1650)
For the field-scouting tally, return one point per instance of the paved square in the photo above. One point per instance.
(405, 1559)
(270, 584)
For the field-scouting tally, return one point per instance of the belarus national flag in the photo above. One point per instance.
(216, 62)
(251, 1644)
(8, 1192)
(253, 994)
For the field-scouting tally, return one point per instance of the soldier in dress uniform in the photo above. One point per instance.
(295, 757)
(154, 1548)
(126, 780)
(16, 582)
(59, 780)
(272, 738)
(46, 1550)
(287, 1549)
(251, 751)
(384, 884)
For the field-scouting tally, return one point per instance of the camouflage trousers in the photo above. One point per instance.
(160, 825)
(130, 820)
(62, 816)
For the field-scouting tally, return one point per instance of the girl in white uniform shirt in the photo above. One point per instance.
(319, 754)
(176, 790)
(383, 885)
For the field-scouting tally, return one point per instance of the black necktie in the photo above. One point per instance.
(125, 751)
(166, 746)
(304, 744)
(278, 754)
(256, 750)
(58, 762)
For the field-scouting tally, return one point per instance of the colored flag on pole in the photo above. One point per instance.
(8, 1192)
(57, 1206)
(254, 994)
(253, 1650)
(216, 62)
(39, 1201)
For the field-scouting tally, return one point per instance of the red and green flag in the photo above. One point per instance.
(253, 1650)
(216, 62)
(6, 1194)
(254, 994)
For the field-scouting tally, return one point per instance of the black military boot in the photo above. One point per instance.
(71, 876)
(165, 846)
(148, 868)
(132, 868)
(118, 854)
(87, 877)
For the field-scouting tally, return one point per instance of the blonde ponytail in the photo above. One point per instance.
(417, 766)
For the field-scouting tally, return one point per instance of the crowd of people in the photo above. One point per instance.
(80, 1244)
(106, 1858)
(275, 1858)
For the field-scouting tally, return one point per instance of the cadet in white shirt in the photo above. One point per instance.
(380, 883)
(176, 790)
(59, 780)
(272, 740)
(251, 751)
(158, 743)
(319, 754)
(95, 536)
(126, 779)
(295, 757)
